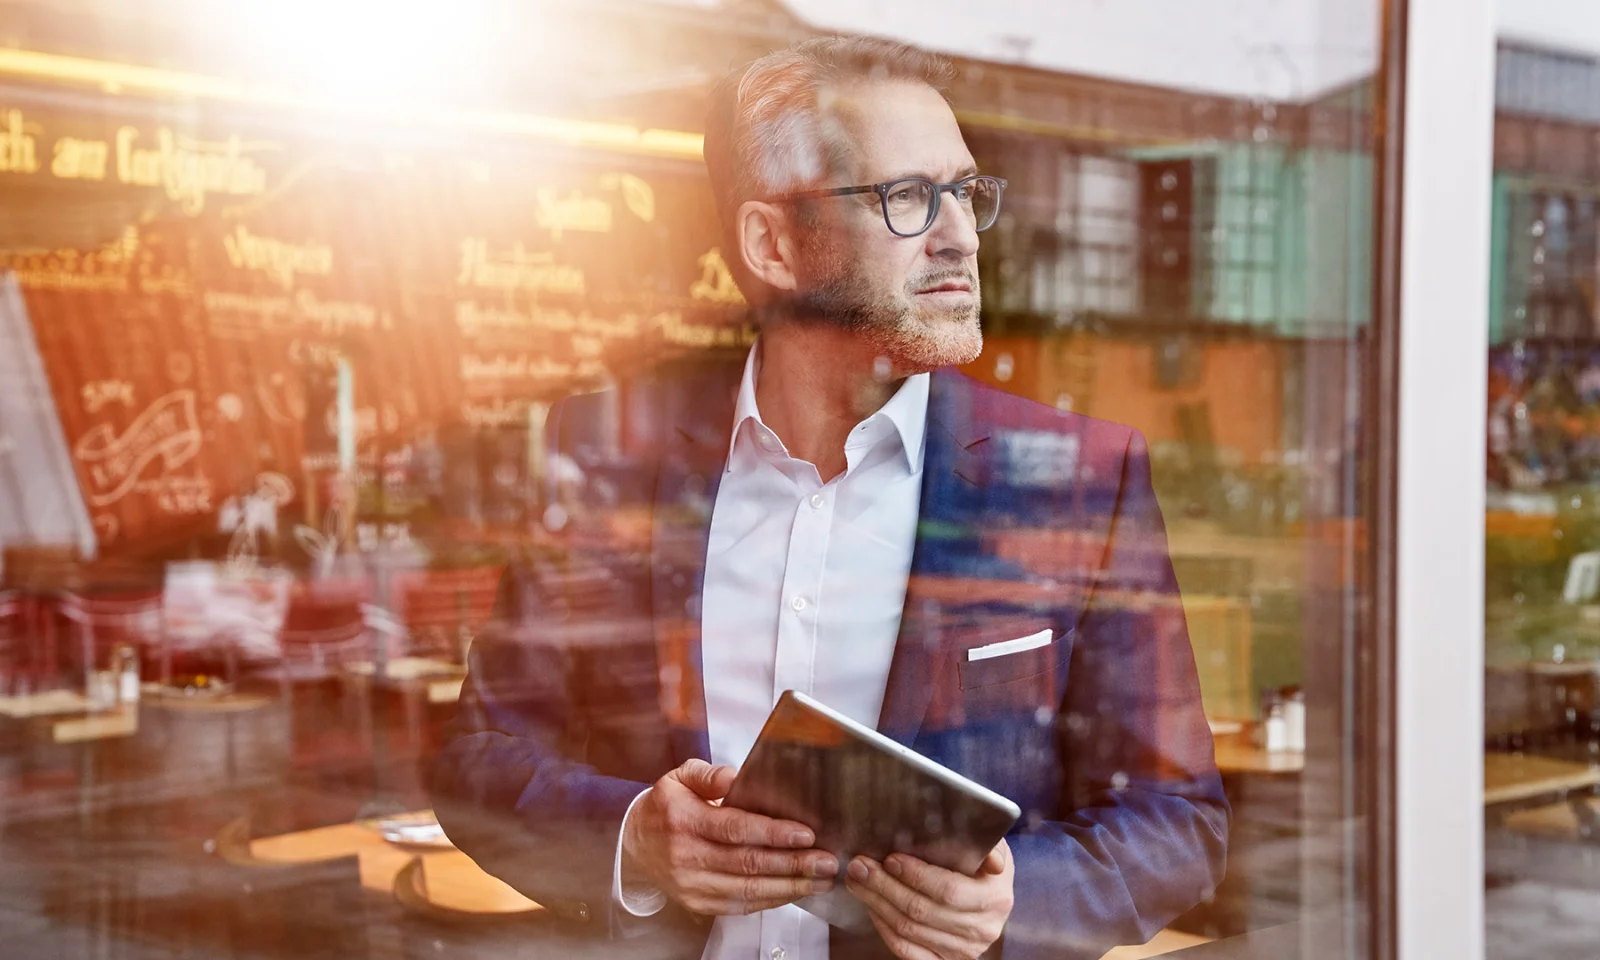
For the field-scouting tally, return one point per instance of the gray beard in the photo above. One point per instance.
(908, 338)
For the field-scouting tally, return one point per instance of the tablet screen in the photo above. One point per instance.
(864, 794)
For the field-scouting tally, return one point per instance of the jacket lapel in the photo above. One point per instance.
(952, 472)
(693, 459)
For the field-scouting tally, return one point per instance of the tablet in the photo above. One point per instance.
(864, 794)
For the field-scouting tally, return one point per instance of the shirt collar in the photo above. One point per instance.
(907, 410)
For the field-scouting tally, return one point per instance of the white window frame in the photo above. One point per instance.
(1441, 385)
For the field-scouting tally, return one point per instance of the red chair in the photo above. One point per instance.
(324, 628)
(103, 622)
(14, 653)
(442, 610)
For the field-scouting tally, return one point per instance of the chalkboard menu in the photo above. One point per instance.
(214, 278)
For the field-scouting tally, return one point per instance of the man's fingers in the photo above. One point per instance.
(708, 782)
(916, 908)
(995, 863)
(738, 828)
(697, 853)
(935, 884)
(768, 862)
(900, 930)
(757, 890)
(902, 947)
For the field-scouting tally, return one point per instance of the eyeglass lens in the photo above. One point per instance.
(908, 204)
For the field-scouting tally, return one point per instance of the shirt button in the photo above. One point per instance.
(817, 501)
(777, 953)
(798, 604)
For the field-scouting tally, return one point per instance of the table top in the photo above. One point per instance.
(1507, 777)
(440, 679)
(408, 668)
(231, 702)
(1163, 943)
(1555, 820)
(48, 703)
(123, 721)
(1237, 752)
(454, 880)
(64, 716)
(1514, 777)
(1275, 943)
(1569, 668)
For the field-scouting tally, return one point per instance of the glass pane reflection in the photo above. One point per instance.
(1542, 736)
(382, 514)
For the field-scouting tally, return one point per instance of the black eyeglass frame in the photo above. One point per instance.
(884, 189)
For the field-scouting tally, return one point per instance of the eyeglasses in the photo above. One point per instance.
(911, 205)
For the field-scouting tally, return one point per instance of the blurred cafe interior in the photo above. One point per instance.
(288, 291)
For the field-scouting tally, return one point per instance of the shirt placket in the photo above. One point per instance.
(801, 598)
(802, 590)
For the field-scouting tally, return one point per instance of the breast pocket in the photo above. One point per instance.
(1007, 667)
(1014, 671)
(1000, 715)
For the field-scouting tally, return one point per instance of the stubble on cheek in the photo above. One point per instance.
(913, 336)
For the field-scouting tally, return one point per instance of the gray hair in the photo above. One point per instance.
(771, 128)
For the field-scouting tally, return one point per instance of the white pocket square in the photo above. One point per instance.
(1007, 647)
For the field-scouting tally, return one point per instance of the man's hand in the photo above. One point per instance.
(715, 860)
(924, 912)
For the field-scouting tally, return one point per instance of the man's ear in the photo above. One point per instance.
(766, 245)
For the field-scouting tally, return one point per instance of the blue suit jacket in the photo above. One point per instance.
(586, 688)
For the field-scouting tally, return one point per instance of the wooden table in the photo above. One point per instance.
(439, 680)
(1244, 757)
(47, 704)
(121, 721)
(1556, 820)
(64, 716)
(1507, 777)
(1238, 753)
(454, 881)
(1516, 777)
(1165, 942)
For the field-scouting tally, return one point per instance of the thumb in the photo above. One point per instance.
(708, 782)
(995, 863)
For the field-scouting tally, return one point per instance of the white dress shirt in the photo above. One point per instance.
(804, 586)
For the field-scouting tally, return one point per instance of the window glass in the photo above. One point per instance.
(1542, 735)
(434, 438)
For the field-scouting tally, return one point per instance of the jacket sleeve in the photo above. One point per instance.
(512, 785)
(1143, 828)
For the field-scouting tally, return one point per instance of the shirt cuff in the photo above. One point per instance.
(636, 895)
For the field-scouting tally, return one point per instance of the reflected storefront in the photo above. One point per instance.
(307, 405)
(1540, 531)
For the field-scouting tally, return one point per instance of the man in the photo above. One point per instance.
(839, 516)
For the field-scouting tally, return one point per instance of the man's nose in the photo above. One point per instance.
(953, 232)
